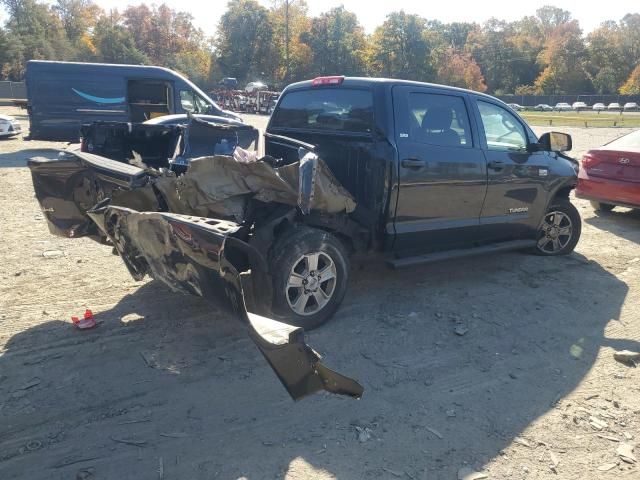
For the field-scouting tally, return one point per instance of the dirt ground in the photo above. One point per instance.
(168, 387)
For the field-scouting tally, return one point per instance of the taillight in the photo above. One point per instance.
(589, 160)
(334, 80)
(83, 144)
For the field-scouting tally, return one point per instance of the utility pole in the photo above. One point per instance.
(286, 40)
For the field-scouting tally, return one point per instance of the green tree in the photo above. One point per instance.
(337, 43)
(244, 45)
(40, 33)
(114, 43)
(401, 48)
(77, 16)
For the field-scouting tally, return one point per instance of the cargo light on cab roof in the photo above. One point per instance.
(335, 80)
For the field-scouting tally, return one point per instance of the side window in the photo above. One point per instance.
(439, 120)
(502, 128)
(188, 100)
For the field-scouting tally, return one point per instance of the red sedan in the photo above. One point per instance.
(610, 175)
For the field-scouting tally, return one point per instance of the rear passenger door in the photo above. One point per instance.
(442, 176)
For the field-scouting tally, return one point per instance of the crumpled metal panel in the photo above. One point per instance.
(220, 186)
(190, 254)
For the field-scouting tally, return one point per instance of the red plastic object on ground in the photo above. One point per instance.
(87, 321)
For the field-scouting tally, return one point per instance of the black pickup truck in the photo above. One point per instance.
(413, 171)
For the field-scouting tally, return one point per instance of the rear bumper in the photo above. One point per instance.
(202, 257)
(610, 191)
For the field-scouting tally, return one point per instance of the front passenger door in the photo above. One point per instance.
(516, 174)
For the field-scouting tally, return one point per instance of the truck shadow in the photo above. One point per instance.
(624, 223)
(183, 385)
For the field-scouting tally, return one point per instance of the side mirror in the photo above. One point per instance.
(555, 142)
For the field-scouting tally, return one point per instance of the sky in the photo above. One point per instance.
(371, 13)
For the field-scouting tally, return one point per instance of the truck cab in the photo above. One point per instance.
(433, 169)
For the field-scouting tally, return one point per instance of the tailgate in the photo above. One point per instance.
(201, 256)
(73, 182)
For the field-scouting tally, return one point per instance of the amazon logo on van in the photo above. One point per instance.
(102, 100)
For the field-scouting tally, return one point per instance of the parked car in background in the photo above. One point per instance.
(598, 107)
(579, 106)
(630, 107)
(516, 107)
(614, 106)
(562, 107)
(9, 126)
(610, 175)
(255, 86)
(543, 107)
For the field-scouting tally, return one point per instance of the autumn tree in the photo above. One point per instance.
(293, 56)
(632, 85)
(460, 70)
(563, 59)
(168, 37)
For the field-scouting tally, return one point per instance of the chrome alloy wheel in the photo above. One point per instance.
(311, 284)
(556, 232)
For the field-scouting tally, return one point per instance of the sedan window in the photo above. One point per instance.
(502, 129)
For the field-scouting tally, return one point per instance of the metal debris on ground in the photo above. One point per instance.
(597, 423)
(135, 443)
(466, 473)
(460, 329)
(53, 253)
(364, 434)
(607, 466)
(625, 452)
(627, 357)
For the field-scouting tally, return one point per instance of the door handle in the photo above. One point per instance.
(495, 164)
(413, 163)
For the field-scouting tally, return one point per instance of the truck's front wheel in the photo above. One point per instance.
(310, 269)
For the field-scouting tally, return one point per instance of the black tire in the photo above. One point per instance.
(601, 207)
(547, 245)
(294, 249)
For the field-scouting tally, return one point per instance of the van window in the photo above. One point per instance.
(439, 120)
(148, 99)
(192, 102)
(502, 129)
(334, 109)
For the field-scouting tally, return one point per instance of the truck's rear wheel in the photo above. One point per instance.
(310, 269)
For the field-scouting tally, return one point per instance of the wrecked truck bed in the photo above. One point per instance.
(196, 232)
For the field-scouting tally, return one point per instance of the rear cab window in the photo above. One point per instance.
(325, 109)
